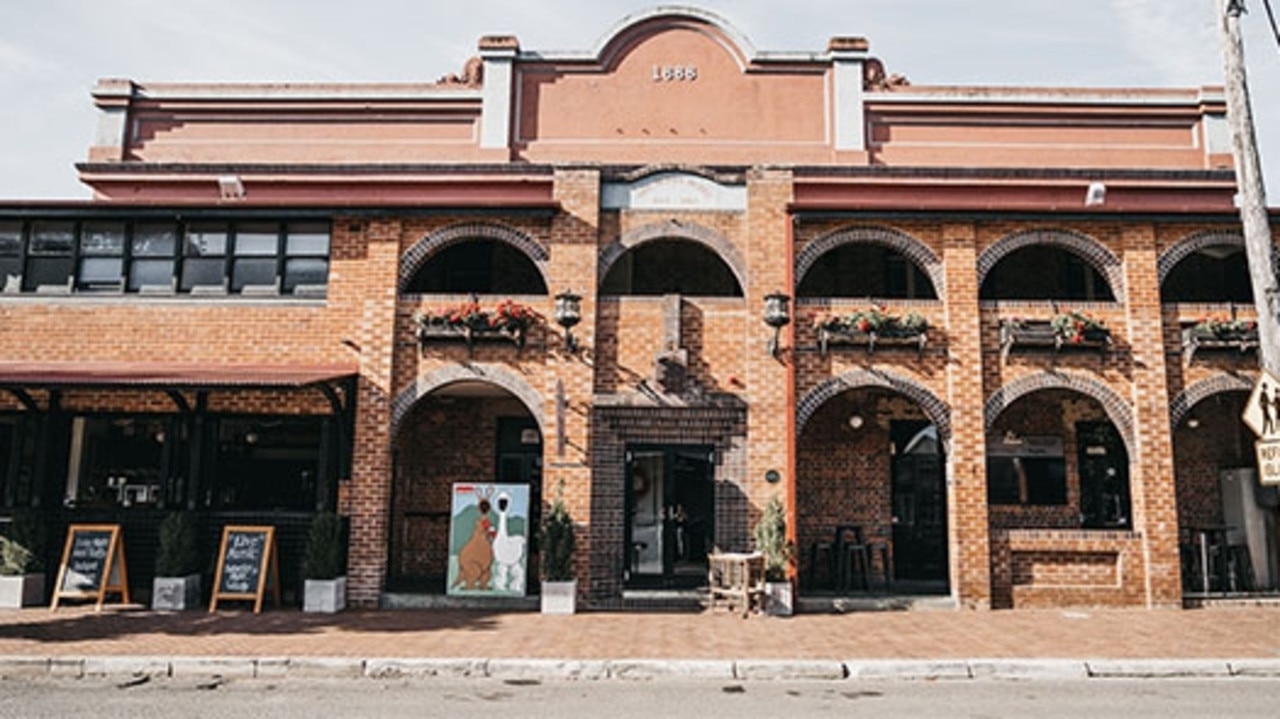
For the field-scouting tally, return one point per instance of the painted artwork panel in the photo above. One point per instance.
(489, 540)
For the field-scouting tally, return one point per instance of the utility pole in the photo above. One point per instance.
(1259, 249)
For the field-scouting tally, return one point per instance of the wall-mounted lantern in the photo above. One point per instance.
(777, 314)
(568, 312)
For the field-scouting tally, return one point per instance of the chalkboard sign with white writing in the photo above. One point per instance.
(246, 565)
(92, 564)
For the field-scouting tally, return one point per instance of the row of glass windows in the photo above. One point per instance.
(260, 257)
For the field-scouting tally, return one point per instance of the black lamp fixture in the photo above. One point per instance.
(568, 312)
(777, 314)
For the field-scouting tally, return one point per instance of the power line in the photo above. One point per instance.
(1275, 29)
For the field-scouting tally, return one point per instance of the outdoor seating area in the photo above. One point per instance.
(849, 561)
(1212, 563)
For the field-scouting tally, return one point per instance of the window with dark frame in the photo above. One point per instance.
(1026, 471)
(157, 257)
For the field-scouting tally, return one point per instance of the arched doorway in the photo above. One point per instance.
(1226, 518)
(464, 433)
(871, 496)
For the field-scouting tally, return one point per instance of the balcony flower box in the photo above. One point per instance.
(1067, 330)
(872, 328)
(1216, 333)
(469, 322)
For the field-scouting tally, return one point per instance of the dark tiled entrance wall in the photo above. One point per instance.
(613, 428)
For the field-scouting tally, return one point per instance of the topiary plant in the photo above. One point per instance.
(325, 550)
(556, 542)
(22, 544)
(771, 541)
(177, 556)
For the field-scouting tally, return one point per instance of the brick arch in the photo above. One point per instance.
(935, 409)
(490, 374)
(910, 247)
(415, 257)
(1116, 408)
(1204, 389)
(674, 229)
(1191, 243)
(1090, 250)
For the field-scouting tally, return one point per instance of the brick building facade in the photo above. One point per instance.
(244, 292)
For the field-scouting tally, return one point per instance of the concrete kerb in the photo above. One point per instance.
(279, 668)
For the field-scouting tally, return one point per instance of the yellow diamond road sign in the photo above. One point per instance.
(1262, 411)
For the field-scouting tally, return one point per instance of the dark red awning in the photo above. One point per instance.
(168, 375)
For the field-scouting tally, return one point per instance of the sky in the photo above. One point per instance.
(52, 52)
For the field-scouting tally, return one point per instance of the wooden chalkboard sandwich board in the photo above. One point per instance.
(92, 565)
(246, 566)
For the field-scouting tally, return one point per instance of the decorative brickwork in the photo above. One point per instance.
(1118, 411)
(898, 241)
(1090, 250)
(417, 255)
(1204, 389)
(492, 374)
(1192, 243)
(674, 229)
(935, 409)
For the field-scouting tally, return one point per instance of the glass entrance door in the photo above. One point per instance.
(919, 506)
(670, 515)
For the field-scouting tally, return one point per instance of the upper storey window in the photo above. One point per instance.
(479, 267)
(866, 270)
(164, 257)
(664, 267)
(1041, 272)
(1218, 273)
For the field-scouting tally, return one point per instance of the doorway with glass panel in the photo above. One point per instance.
(670, 491)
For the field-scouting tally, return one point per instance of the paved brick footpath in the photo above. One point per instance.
(1220, 633)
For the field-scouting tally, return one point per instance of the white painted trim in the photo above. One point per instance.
(495, 117)
(846, 87)
(1039, 96)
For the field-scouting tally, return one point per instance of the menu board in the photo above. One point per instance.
(93, 564)
(247, 566)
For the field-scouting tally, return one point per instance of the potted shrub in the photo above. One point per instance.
(556, 544)
(22, 577)
(177, 582)
(325, 589)
(771, 541)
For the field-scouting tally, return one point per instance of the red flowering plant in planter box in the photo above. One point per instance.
(514, 316)
(1075, 326)
(1225, 328)
(875, 319)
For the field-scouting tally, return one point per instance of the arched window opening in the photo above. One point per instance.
(671, 266)
(866, 270)
(1217, 273)
(1042, 272)
(481, 267)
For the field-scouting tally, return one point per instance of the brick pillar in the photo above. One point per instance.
(1151, 479)
(968, 537)
(573, 249)
(370, 281)
(770, 381)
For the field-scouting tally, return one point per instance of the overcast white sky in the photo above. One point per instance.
(52, 52)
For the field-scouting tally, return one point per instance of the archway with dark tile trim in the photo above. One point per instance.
(904, 244)
(1097, 255)
(417, 256)
(714, 241)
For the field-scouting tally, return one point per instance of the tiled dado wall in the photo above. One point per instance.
(614, 428)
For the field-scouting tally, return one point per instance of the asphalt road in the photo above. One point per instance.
(487, 698)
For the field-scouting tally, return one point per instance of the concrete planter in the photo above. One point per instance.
(175, 593)
(778, 599)
(23, 590)
(325, 595)
(560, 597)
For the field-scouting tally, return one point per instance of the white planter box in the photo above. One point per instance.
(778, 600)
(325, 595)
(560, 597)
(175, 593)
(23, 590)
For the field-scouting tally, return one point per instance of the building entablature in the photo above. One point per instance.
(669, 86)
